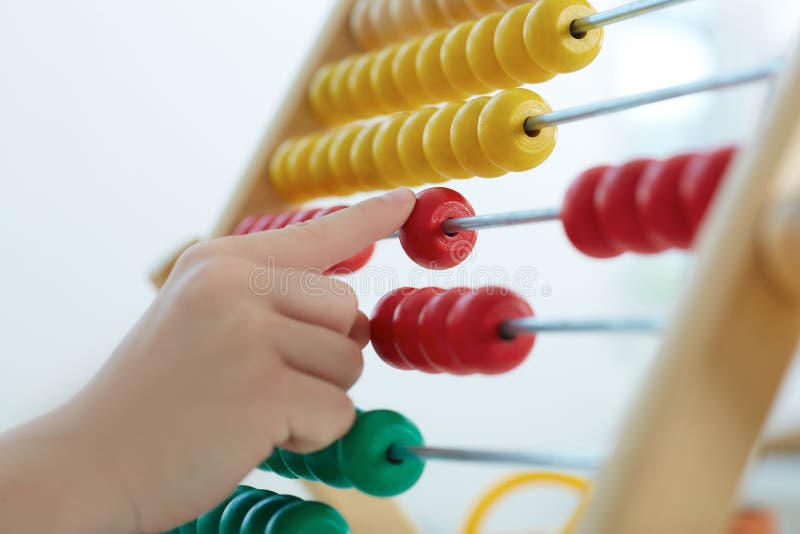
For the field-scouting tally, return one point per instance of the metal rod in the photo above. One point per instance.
(580, 27)
(534, 325)
(399, 453)
(554, 118)
(494, 220)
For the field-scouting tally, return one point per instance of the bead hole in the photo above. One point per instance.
(574, 33)
(449, 234)
(392, 458)
(505, 333)
(532, 133)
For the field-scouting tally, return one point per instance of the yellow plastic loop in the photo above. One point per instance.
(278, 172)
(477, 516)
(502, 134)
(319, 96)
(359, 86)
(343, 177)
(410, 147)
(383, 85)
(482, 57)
(548, 38)
(319, 167)
(436, 142)
(363, 160)
(431, 71)
(509, 46)
(465, 143)
(456, 64)
(339, 86)
(297, 169)
(428, 13)
(384, 151)
(404, 72)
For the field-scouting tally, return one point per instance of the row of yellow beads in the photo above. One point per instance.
(528, 44)
(377, 23)
(482, 137)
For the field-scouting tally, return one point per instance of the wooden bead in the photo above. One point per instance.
(660, 205)
(422, 236)
(405, 17)
(383, 85)
(615, 201)
(385, 153)
(262, 223)
(406, 77)
(320, 169)
(281, 220)
(339, 88)
(484, 7)
(436, 142)
(359, 86)
(473, 330)
(432, 322)
(431, 71)
(381, 327)
(361, 26)
(303, 216)
(579, 216)
(456, 64)
(509, 46)
(482, 55)
(502, 134)
(549, 40)
(456, 11)
(466, 145)
(278, 172)
(362, 159)
(245, 225)
(381, 21)
(297, 169)
(429, 14)
(319, 96)
(406, 322)
(410, 147)
(343, 177)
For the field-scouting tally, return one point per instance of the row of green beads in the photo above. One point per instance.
(256, 511)
(360, 459)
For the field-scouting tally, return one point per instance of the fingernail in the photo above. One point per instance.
(396, 196)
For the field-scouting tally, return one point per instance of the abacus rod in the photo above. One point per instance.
(495, 220)
(554, 118)
(535, 325)
(579, 27)
(562, 461)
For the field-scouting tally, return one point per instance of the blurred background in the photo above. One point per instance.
(124, 127)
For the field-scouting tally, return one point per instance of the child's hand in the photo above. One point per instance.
(222, 368)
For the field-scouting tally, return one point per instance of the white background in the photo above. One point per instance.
(124, 127)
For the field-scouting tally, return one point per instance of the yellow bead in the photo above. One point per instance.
(502, 134)
(319, 166)
(382, 23)
(383, 85)
(297, 169)
(278, 173)
(436, 142)
(456, 11)
(548, 38)
(339, 89)
(360, 86)
(411, 148)
(431, 71)
(465, 142)
(361, 27)
(482, 57)
(455, 62)
(509, 46)
(404, 72)
(319, 96)
(363, 160)
(384, 151)
(343, 177)
(484, 7)
(428, 12)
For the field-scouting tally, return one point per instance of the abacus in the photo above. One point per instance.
(417, 92)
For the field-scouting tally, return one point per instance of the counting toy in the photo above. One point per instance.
(421, 93)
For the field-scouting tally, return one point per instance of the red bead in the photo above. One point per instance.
(281, 220)
(431, 328)
(244, 227)
(660, 204)
(303, 216)
(354, 263)
(261, 224)
(615, 201)
(700, 182)
(381, 327)
(422, 236)
(327, 211)
(579, 216)
(406, 328)
(473, 330)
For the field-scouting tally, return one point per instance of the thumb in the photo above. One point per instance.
(324, 242)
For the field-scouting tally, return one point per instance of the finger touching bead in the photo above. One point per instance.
(512, 54)
(549, 40)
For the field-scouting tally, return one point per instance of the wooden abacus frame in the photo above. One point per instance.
(723, 357)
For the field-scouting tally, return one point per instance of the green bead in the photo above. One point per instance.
(255, 522)
(234, 513)
(296, 464)
(208, 523)
(276, 464)
(307, 518)
(363, 453)
(325, 466)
